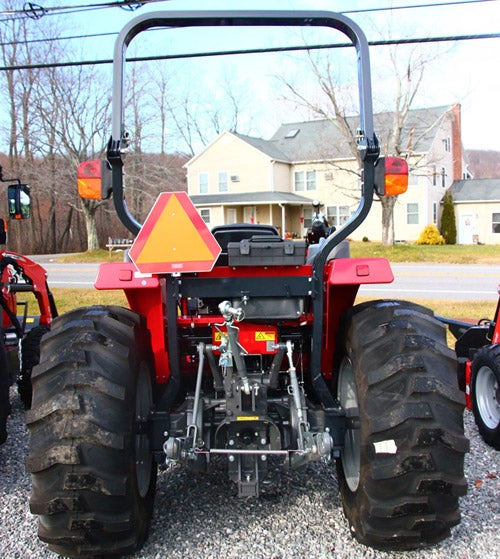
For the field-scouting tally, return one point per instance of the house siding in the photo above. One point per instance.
(280, 173)
(475, 202)
(232, 155)
(474, 222)
(432, 140)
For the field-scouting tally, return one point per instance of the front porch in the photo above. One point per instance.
(284, 210)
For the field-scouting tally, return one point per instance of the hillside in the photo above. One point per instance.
(483, 164)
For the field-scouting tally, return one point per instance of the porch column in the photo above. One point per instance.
(283, 224)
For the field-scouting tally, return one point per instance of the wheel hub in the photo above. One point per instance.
(348, 398)
(487, 397)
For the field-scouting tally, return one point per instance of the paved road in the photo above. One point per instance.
(422, 281)
(440, 281)
(69, 275)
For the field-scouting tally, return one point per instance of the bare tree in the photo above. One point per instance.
(197, 118)
(331, 106)
(74, 117)
(18, 89)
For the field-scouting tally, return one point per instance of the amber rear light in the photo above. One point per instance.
(391, 176)
(94, 180)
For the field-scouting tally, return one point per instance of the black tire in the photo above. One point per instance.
(402, 468)
(4, 391)
(485, 393)
(30, 356)
(93, 475)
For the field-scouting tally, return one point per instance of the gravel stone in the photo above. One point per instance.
(300, 516)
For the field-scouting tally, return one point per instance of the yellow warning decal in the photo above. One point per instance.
(247, 418)
(218, 336)
(264, 336)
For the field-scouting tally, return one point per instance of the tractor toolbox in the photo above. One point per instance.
(266, 251)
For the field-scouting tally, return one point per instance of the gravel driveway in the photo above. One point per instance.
(197, 517)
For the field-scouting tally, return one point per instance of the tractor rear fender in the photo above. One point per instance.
(343, 278)
(144, 295)
(359, 271)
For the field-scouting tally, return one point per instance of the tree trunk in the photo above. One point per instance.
(89, 209)
(388, 203)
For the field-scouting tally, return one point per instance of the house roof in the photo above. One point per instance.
(322, 139)
(476, 190)
(250, 198)
(265, 146)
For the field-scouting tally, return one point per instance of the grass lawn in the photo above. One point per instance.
(451, 254)
(68, 299)
(101, 255)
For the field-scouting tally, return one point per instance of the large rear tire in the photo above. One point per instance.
(92, 470)
(485, 393)
(401, 470)
(4, 391)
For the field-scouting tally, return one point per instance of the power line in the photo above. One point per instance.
(253, 51)
(411, 7)
(124, 3)
(68, 38)
(32, 6)
(36, 11)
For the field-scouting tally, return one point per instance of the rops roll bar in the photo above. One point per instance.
(368, 145)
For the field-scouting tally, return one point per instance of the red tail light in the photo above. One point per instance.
(391, 176)
(94, 180)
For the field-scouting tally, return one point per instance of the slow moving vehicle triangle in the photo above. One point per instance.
(174, 238)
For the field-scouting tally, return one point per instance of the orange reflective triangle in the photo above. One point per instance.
(174, 238)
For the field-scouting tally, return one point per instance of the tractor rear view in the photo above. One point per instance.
(245, 347)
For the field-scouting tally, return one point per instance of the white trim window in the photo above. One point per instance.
(205, 214)
(413, 179)
(495, 222)
(443, 177)
(203, 183)
(304, 180)
(307, 215)
(338, 215)
(222, 181)
(412, 214)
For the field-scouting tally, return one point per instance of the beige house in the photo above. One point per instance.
(477, 211)
(239, 178)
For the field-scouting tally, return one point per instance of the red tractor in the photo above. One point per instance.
(20, 332)
(478, 353)
(246, 347)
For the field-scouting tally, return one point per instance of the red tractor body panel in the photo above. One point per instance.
(145, 295)
(36, 275)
